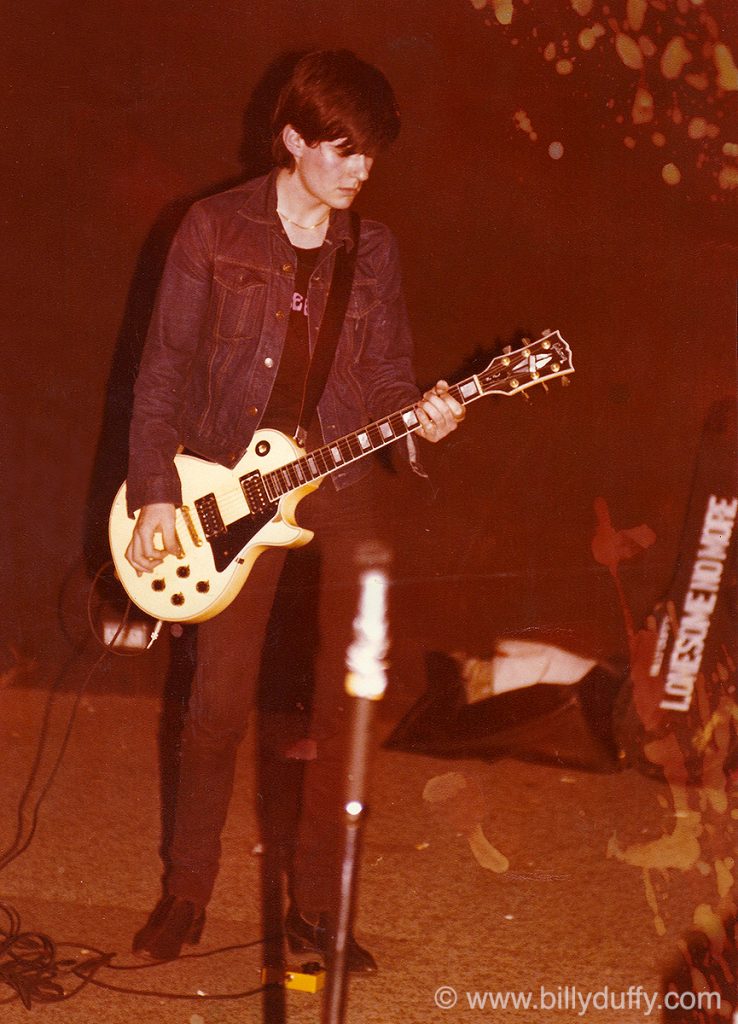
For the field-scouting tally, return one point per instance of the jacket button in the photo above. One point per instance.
(279, 314)
(287, 268)
(252, 410)
(269, 362)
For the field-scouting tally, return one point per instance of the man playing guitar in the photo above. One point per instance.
(235, 343)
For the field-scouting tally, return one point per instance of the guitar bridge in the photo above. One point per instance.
(187, 516)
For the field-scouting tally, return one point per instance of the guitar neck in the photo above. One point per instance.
(508, 374)
(347, 449)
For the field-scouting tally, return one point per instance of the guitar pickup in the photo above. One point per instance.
(210, 517)
(255, 493)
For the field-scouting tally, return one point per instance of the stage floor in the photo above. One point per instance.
(477, 877)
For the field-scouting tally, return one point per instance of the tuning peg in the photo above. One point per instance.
(565, 382)
(544, 385)
(526, 396)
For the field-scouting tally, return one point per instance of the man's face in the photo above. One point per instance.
(331, 176)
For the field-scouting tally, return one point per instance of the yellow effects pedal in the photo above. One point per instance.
(309, 978)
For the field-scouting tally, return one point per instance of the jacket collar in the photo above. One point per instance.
(261, 206)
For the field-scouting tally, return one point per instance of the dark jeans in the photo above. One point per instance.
(224, 692)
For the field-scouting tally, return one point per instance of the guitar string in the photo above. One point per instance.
(231, 500)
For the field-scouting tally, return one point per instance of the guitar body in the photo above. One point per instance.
(220, 531)
(228, 517)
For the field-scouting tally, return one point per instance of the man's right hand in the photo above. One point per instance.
(154, 537)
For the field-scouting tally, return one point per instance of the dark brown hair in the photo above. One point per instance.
(333, 94)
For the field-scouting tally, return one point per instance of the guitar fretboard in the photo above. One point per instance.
(537, 362)
(345, 450)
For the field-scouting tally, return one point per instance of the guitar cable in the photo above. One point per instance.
(19, 845)
(27, 959)
(109, 646)
(30, 965)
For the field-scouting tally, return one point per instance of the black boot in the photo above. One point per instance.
(174, 922)
(305, 937)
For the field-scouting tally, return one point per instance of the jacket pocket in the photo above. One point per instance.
(363, 299)
(239, 294)
(362, 302)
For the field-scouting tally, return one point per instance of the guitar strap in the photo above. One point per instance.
(330, 328)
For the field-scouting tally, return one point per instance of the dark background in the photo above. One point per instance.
(121, 113)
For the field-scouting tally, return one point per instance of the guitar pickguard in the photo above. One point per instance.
(227, 544)
(226, 541)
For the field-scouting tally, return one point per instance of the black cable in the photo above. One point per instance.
(154, 993)
(122, 625)
(20, 845)
(31, 967)
(29, 961)
(108, 965)
(148, 964)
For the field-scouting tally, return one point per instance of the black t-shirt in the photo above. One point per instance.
(285, 407)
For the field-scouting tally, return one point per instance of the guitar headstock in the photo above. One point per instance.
(534, 363)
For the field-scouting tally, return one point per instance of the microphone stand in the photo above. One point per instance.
(365, 683)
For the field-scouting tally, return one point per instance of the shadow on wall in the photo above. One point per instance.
(111, 455)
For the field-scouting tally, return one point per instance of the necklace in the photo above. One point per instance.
(304, 227)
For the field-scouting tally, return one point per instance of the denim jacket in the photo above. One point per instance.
(218, 330)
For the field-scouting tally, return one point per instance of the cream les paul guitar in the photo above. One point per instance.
(228, 517)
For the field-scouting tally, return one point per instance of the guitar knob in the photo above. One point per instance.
(565, 382)
(158, 584)
(177, 599)
(202, 586)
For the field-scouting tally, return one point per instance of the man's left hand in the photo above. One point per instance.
(439, 413)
